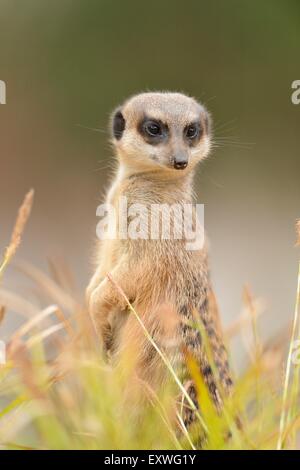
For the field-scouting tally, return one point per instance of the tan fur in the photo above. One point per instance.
(165, 283)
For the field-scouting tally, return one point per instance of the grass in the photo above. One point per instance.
(56, 391)
(23, 215)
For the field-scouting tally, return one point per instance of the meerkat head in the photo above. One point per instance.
(161, 131)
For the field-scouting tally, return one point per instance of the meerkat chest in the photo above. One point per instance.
(152, 212)
(153, 219)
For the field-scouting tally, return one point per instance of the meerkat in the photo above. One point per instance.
(158, 138)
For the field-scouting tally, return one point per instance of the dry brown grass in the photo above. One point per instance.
(22, 218)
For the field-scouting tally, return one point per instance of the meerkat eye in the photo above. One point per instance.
(192, 131)
(153, 131)
(153, 128)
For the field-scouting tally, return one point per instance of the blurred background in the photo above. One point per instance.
(68, 63)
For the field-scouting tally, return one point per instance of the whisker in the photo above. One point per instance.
(222, 126)
(95, 129)
(111, 165)
(231, 141)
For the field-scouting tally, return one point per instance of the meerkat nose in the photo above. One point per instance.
(180, 164)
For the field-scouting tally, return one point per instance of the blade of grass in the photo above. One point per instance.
(283, 422)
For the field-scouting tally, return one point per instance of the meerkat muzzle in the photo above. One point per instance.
(180, 159)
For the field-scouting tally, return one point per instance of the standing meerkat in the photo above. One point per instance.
(158, 138)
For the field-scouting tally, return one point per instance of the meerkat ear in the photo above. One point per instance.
(118, 124)
(208, 123)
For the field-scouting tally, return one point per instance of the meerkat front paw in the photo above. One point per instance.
(103, 302)
(98, 309)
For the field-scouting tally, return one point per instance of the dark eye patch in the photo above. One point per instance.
(153, 131)
(193, 132)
